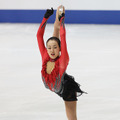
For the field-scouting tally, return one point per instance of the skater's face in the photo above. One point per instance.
(53, 49)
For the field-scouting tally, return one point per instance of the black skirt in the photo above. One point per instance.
(70, 89)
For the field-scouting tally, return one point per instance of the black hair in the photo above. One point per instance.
(56, 39)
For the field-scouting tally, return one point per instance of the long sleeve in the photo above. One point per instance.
(40, 34)
(64, 53)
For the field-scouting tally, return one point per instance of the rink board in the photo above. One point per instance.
(72, 16)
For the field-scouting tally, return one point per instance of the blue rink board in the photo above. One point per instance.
(71, 16)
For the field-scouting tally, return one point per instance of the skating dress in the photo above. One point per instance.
(58, 81)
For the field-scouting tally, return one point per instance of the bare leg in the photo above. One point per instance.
(56, 32)
(56, 26)
(71, 110)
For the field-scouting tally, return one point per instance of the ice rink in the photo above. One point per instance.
(94, 52)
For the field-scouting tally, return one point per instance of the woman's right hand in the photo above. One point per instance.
(48, 13)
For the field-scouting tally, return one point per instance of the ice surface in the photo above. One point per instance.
(94, 52)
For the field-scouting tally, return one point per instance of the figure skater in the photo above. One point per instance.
(55, 59)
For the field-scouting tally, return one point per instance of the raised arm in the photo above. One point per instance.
(64, 53)
(40, 34)
(41, 30)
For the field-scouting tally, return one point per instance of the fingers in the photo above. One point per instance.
(49, 12)
(62, 15)
(52, 10)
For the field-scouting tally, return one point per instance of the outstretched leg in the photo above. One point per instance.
(70, 107)
(56, 32)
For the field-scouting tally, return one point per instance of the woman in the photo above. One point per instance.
(54, 64)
